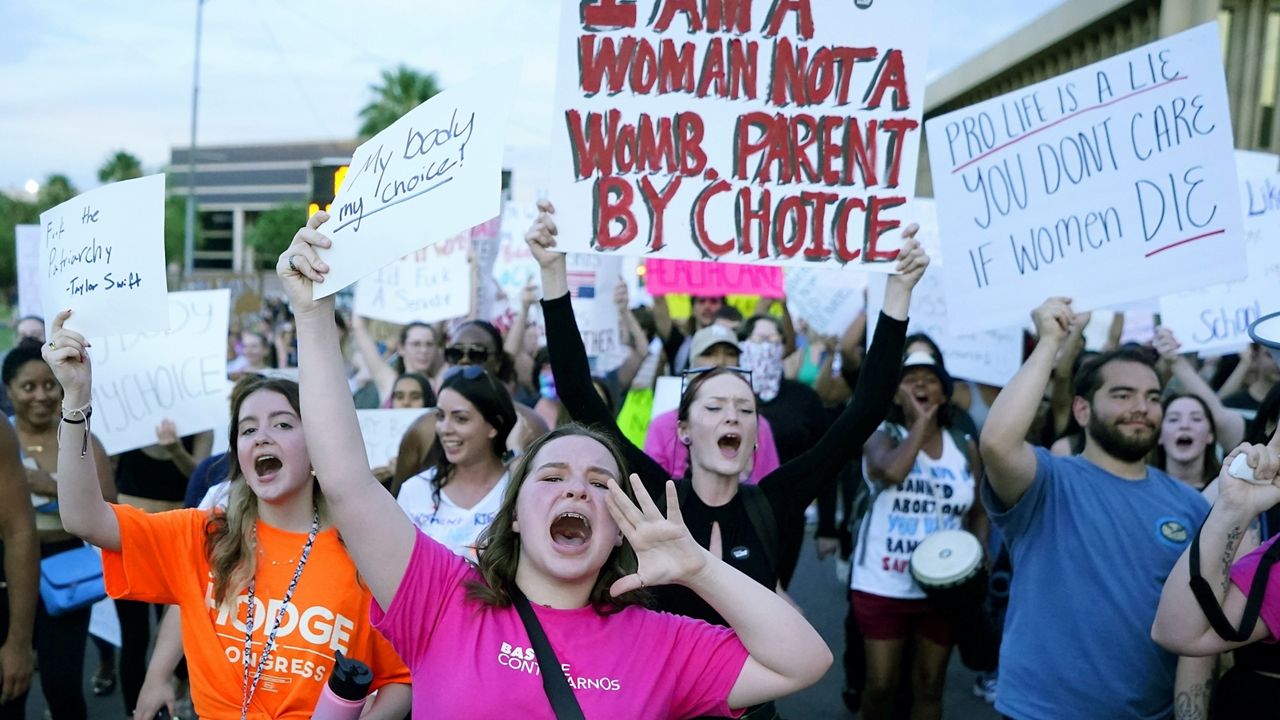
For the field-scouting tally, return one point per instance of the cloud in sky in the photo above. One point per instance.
(86, 77)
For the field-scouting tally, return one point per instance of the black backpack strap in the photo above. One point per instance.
(1208, 599)
(563, 703)
(760, 513)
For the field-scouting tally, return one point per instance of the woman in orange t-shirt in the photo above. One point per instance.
(272, 550)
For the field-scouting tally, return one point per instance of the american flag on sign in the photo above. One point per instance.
(582, 284)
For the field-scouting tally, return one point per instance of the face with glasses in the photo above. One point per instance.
(721, 425)
(420, 351)
(472, 346)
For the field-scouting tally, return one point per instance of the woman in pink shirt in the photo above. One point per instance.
(572, 546)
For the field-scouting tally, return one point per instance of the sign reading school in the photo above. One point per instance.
(434, 173)
(1111, 183)
(102, 256)
(780, 132)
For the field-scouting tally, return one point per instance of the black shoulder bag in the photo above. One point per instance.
(1208, 600)
(563, 703)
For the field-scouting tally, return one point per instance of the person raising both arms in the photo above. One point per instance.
(235, 573)
(569, 549)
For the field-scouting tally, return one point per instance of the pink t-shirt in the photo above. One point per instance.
(1242, 575)
(471, 660)
(665, 448)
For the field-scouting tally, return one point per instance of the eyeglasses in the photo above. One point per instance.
(475, 354)
(692, 373)
(470, 372)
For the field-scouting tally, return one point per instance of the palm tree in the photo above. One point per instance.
(56, 190)
(120, 166)
(400, 91)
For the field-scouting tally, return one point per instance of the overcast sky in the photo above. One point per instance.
(86, 77)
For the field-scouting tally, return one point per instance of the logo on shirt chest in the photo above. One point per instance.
(1172, 532)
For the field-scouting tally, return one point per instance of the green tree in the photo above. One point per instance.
(274, 229)
(120, 165)
(57, 189)
(175, 229)
(400, 91)
(12, 212)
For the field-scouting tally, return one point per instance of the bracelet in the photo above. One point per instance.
(85, 413)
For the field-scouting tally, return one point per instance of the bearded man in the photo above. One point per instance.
(1092, 538)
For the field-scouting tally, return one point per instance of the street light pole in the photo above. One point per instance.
(189, 244)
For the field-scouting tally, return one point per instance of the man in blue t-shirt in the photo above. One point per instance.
(1092, 538)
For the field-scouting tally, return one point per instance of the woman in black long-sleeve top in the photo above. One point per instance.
(717, 420)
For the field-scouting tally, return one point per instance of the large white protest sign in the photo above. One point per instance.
(1215, 319)
(991, 357)
(139, 380)
(27, 238)
(382, 431)
(1111, 183)
(102, 256)
(828, 300)
(427, 285)
(432, 174)
(781, 133)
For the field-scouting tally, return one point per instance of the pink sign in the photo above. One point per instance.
(663, 277)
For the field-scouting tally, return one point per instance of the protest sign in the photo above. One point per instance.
(1215, 319)
(102, 256)
(592, 280)
(781, 133)
(27, 238)
(666, 394)
(427, 285)
(663, 277)
(382, 431)
(432, 174)
(181, 374)
(1110, 183)
(829, 300)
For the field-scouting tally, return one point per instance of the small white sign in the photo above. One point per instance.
(829, 300)
(382, 431)
(430, 284)
(27, 238)
(102, 256)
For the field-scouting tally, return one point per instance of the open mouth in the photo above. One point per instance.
(571, 529)
(730, 444)
(266, 466)
(1183, 441)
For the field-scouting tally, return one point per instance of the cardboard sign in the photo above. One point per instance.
(27, 238)
(382, 431)
(427, 285)
(102, 256)
(828, 300)
(781, 133)
(1215, 319)
(433, 174)
(1111, 183)
(663, 277)
(181, 374)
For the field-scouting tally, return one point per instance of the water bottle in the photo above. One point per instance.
(344, 695)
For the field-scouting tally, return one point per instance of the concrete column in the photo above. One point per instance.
(237, 241)
(1179, 15)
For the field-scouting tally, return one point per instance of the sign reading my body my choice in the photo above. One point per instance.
(102, 256)
(781, 133)
(1111, 183)
(432, 174)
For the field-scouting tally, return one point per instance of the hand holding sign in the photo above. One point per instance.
(542, 237)
(300, 267)
(1053, 319)
(65, 354)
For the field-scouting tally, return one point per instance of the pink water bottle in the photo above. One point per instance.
(344, 695)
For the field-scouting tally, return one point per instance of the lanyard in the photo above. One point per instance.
(270, 644)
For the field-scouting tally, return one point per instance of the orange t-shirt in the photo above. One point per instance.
(162, 560)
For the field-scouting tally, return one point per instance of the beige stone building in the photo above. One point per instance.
(1080, 32)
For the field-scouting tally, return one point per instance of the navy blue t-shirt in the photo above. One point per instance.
(1090, 552)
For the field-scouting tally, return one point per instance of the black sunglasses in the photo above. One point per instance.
(688, 375)
(476, 354)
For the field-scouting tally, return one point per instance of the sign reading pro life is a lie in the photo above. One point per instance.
(102, 256)
(1108, 184)
(432, 174)
(748, 131)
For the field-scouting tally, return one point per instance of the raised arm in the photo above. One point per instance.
(384, 376)
(21, 567)
(377, 534)
(785, 653)
(632, 337)
(186, 462)
(569, 356)
(1180, 625)
(798, 482)
(1061, 391)
(1228, 423)
(1009, 458)
(82, 490)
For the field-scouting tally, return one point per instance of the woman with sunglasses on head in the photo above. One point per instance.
(563, 560)
(235, 574)
(718, 421)
(456, 497)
